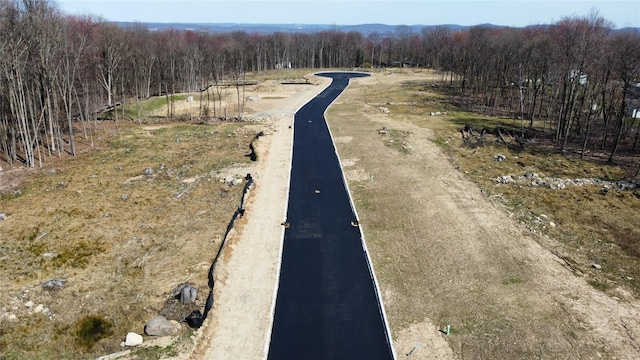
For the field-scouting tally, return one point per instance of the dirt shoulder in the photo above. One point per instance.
(238, 326)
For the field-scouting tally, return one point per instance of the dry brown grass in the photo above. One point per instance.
(594, 226)
(122, 240)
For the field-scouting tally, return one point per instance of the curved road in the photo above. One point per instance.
(327, 306)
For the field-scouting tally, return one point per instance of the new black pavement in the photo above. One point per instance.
(327, 304)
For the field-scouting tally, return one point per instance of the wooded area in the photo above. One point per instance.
(58, 72)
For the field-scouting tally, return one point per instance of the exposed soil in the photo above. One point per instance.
(239, 324)
(444, 254)
(455, 258)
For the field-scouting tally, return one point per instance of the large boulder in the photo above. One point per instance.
(160, 326)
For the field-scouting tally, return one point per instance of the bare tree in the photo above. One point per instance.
(626, 64)
(111, 53)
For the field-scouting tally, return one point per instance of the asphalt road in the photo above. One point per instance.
(327, 305)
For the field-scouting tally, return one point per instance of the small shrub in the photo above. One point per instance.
(78, 255)
(91, 329)
(627, 239)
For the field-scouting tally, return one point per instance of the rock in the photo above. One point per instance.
(54, 284)
(232, 180)
(188, 295)
(29, 304)
(49, 256)
(552, 224)
(124, 197)
(236, 181)
(3, 216)
(596, 266)
(176, 324)
(160, 326)
(148, 171)
(38, 308)
(12, 317)
(133, 339)
(190, 180)
(506, 179)
(499, 158)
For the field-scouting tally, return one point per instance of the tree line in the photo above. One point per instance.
(579, 77)
(58, 72)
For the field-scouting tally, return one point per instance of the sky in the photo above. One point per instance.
(517, 13)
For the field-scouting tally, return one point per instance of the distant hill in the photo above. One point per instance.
(364, 29)
(632, 29)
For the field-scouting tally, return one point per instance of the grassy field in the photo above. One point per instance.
(121, 240)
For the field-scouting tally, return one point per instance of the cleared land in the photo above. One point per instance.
(449, 251)
(122, 242)
(450, 245)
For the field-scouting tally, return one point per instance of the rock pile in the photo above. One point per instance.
(535, 180)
